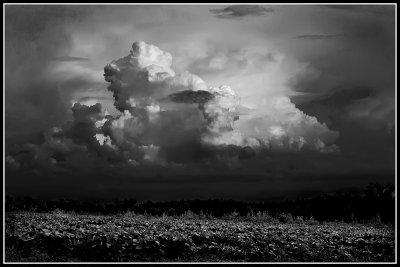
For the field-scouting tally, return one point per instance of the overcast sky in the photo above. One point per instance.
(170, 102)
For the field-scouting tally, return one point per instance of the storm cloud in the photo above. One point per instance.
(157, 102)
(144, 76)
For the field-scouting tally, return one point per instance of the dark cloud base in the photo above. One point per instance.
(190, 97)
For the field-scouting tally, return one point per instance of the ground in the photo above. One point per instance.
(38, 237)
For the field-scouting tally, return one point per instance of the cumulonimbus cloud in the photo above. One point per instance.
(168, 118)
(142, 78)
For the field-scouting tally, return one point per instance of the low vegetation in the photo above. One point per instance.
(341, 227)
(130, 237)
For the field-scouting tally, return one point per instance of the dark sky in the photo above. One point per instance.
(170, 102)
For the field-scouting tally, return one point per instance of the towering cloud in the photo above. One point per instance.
(222, 99)
(149, 93)
(167, 118)
(280, 125)
(145, 75)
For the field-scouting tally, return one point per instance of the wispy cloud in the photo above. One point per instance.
(318, 36)
(70, 59)
(344, 7)
(238, 11)
(385, 10)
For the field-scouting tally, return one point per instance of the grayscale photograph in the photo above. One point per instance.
(199, 133)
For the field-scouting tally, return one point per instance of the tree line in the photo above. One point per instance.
(376, 201)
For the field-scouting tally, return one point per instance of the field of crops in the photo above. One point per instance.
(68, 237)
